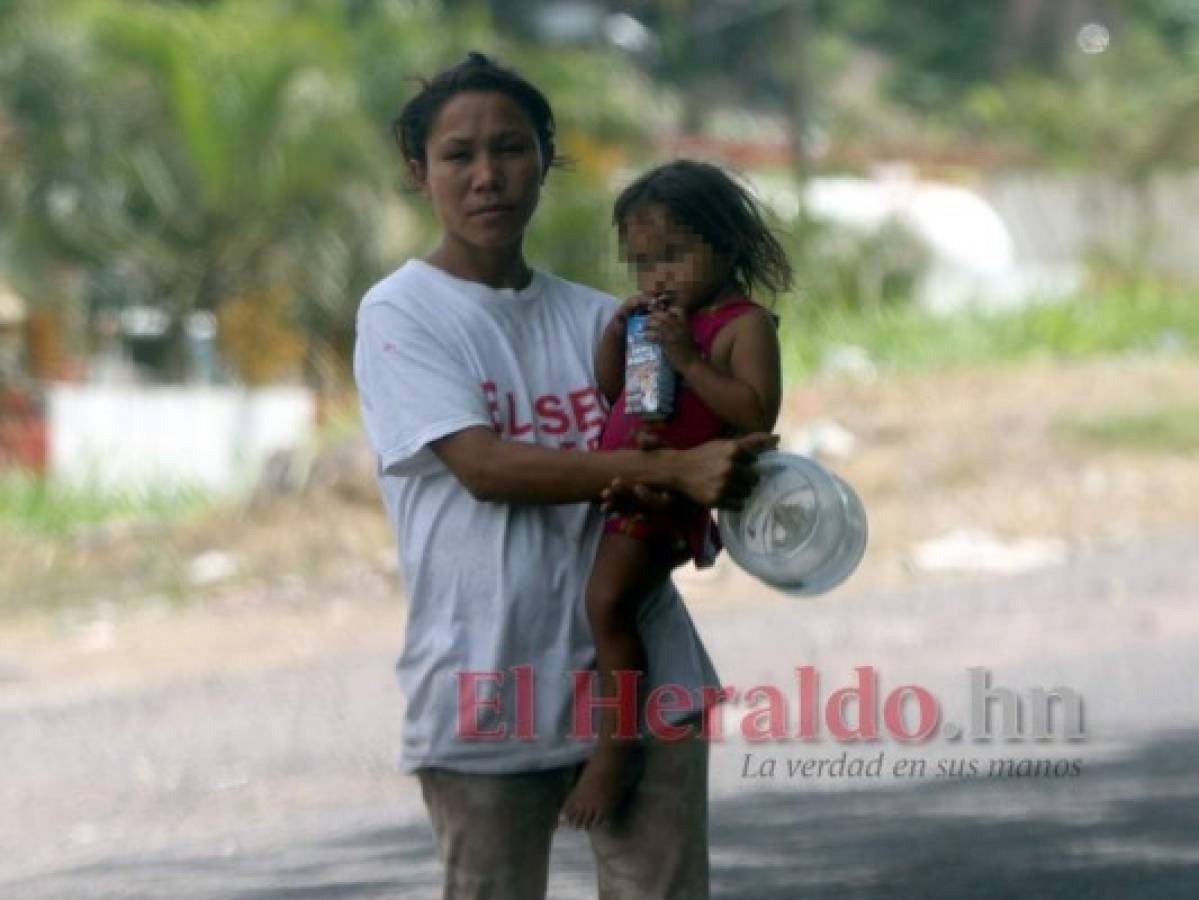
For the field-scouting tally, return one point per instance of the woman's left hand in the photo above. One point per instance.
(620, 496)
(668, 327)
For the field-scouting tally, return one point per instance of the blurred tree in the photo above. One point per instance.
(257, 339)
(185, 153)
(180, 154)
(1131, 109)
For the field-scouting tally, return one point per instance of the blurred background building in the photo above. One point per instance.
(195, 194)
(993, 336)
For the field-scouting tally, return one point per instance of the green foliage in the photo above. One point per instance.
(942, 47)
(185, 154)
(1011, 75)
(1176, 22)
(1133, 108)
(179, 156)
(1170, 428)
(571, 235)
(30, 504)
(1135, 319)
(837, 268)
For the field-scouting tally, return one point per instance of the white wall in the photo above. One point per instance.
(1055, 218)
(215, 437)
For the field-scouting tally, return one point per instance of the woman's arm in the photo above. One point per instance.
(717, 473)
(748, 398)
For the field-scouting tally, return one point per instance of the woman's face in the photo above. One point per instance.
(483, 171)
(671, 261)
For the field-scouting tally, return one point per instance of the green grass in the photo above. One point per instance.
(34, 504)
(902, 337)
(1169, 428)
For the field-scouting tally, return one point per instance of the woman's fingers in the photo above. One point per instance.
(652, 498)
(620, 495)
(615, 496)
(648, 440)
(750, 445)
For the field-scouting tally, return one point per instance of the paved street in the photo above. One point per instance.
(280, 784)
(1126, 829)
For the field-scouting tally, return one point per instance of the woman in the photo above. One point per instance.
(479, 397)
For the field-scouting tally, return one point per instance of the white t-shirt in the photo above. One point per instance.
(492, 586)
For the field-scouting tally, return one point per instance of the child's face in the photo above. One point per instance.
(670, 260)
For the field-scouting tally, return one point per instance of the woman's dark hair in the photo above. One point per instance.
(706, 200)
(476, 73)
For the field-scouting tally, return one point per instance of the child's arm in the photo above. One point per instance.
(610, 354)
(748, 398)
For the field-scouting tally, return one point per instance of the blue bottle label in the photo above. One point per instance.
(649, 376)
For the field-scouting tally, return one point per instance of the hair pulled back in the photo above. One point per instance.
(477, 72)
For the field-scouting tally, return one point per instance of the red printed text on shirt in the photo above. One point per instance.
(570, 421)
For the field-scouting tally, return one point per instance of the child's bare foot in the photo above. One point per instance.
(603, 786)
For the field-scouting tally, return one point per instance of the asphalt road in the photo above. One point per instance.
(1126, 829)
(280, 785)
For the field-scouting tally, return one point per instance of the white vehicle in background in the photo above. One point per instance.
(971, 252)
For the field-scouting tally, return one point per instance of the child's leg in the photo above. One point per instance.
(626, 569)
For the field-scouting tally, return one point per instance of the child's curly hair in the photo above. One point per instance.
(706, 199)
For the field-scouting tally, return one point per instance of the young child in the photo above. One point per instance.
(698, 244)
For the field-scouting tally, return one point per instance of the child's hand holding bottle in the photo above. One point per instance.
(667, 326)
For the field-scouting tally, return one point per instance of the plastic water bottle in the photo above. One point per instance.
(649, 376)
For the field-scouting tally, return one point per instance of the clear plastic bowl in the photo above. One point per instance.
(803, 530)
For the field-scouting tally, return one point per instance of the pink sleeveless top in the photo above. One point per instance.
(686, 531)
(692, 422)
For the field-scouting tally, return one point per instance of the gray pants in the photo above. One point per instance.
(493, 831)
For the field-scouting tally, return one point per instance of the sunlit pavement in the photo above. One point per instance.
(1114, 624)
(1128, 828)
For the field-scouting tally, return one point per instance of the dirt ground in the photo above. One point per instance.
(986, 450)
(272, 581)
(183, 690)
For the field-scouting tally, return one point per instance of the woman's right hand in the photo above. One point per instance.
(720, 473)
